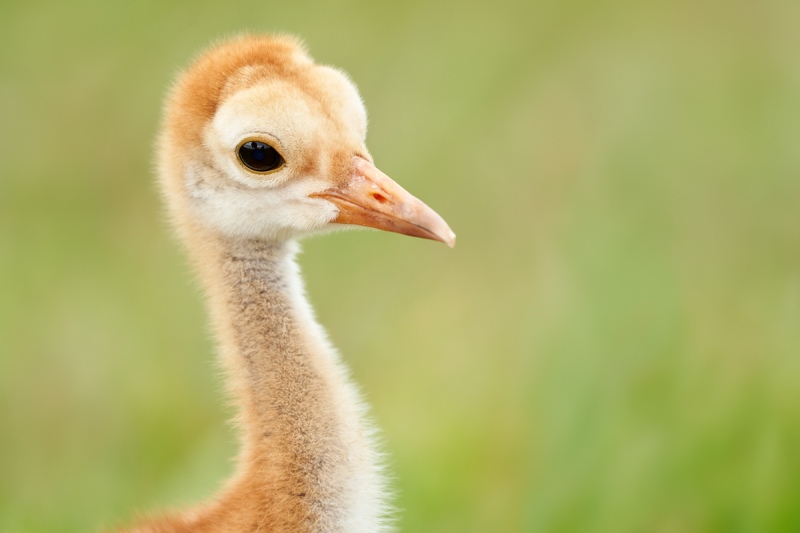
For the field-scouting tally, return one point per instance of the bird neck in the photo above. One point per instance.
(306, 462)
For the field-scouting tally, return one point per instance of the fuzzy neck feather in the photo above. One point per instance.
(307, 462)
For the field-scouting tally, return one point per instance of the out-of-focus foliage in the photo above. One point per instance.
(613, 345)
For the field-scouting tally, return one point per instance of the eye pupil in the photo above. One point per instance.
(260, 157)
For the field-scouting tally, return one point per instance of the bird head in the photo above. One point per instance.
(261, 142)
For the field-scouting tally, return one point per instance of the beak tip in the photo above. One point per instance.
(451, 240)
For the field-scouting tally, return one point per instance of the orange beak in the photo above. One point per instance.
(370, 198)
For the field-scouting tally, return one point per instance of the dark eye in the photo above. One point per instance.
(260, 157)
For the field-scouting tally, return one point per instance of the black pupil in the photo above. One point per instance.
(259, 156)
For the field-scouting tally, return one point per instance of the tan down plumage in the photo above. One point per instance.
(307, 460)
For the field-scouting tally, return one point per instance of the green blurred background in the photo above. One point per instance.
(614, 344)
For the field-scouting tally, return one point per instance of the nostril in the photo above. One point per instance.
(380, 198)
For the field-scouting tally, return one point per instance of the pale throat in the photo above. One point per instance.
(285, 374)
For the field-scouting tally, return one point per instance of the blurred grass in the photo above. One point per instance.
(614, 344)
